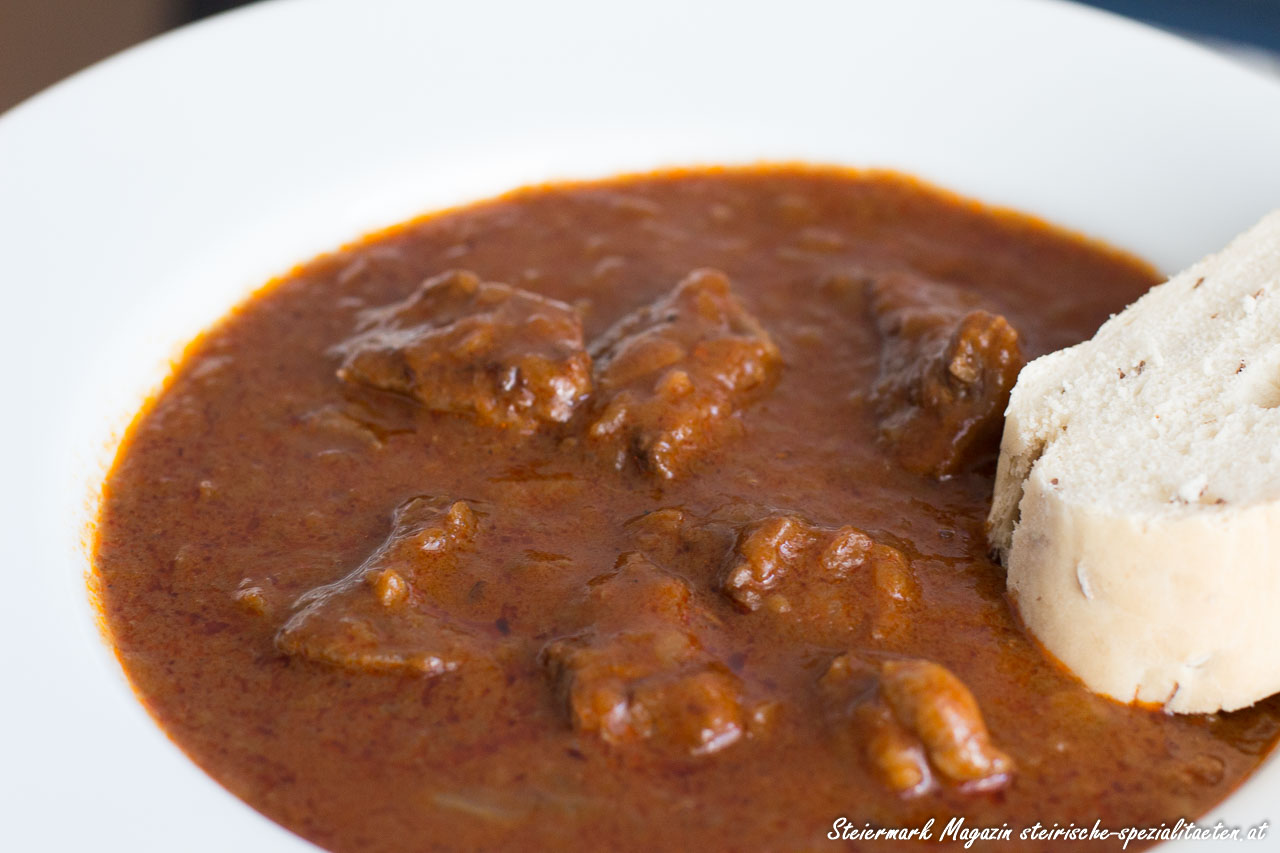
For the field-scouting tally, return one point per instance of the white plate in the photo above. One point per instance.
(141, 198)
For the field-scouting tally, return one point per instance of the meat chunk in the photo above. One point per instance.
(812, 583)
(670, 376)
(639, 687)
(504, 356)
(383, 617)
(680, 541)
(826, 580)
(639, 672)
(915, 719)
(946, 370)
(929, 701)
(771, 549)
(637, 592)
(897, 757)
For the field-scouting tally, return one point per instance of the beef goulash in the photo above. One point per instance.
(634, 515)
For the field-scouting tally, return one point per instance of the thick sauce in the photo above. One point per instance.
(675, 540)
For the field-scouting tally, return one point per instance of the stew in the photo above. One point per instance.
(630, 515)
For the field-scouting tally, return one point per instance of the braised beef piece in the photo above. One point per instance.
(388, 614)
(804, 581)
(917, 724)
(946, 370)
(680, 541)
(826, 581)
(503, 356)
(670, 376)
(639, 671)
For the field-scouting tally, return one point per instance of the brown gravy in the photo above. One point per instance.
(655, 520)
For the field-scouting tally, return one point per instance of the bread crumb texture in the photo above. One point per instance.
(1137, 499)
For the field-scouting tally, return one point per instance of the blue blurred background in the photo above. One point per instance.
(42, 41)
(1253, 23)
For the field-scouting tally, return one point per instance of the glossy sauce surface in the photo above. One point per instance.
(258, 510)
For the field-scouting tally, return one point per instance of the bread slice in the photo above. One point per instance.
(1137, 499)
